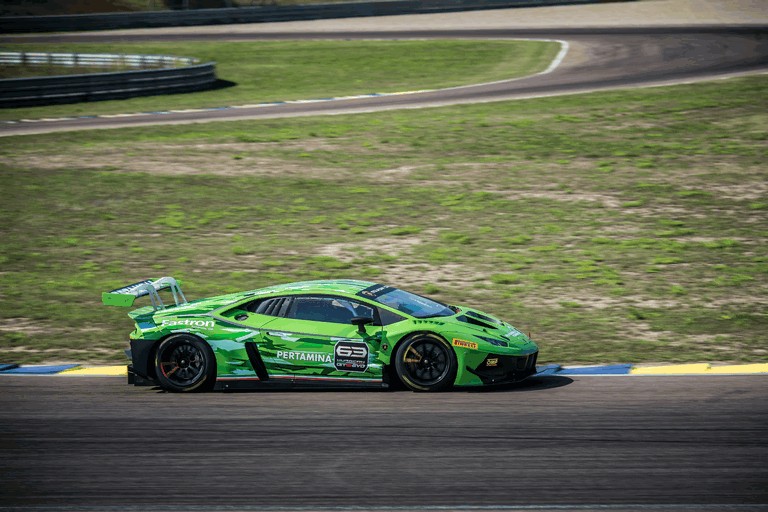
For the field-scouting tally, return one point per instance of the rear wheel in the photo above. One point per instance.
(426, 362)
(185, 363)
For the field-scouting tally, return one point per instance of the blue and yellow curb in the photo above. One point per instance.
(97, 371)
(664, 370)
(63, 369)
(76, 370)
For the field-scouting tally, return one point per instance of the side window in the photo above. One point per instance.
(272, 306)
(327, 309)
(387, 317)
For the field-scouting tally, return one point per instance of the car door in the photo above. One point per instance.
(313, 339)
(236, 343)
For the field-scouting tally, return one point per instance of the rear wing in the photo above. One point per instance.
(127, 295)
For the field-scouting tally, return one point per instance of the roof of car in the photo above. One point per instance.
(348, 286)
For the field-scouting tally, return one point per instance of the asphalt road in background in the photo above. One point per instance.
(597, 59)
(629, 443)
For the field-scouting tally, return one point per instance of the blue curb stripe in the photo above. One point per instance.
(4, 367)
(612, 369)
(550, 369)
(39, 370)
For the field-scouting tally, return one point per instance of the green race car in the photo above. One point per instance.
(334, 332)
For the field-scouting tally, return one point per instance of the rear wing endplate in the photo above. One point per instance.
(127, 295)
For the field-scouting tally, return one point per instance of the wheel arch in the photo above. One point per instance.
(418, 333)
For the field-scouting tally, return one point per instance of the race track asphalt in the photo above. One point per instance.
(551, 443)
(597, 59)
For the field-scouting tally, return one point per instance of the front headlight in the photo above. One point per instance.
(494, 341)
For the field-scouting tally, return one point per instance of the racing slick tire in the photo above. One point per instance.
(426, 362)
(184, 363)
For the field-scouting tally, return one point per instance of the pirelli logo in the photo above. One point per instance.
(464, 344)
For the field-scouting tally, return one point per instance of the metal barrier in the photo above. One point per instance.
(95, 60)
(260, 14)
(47, 90)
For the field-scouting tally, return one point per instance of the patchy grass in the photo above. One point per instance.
(623, 226)
(265, 71)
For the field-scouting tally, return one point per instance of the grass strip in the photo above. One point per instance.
(615, 227)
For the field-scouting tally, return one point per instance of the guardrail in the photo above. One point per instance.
(95, 60)
(260, 14)
(47, 90)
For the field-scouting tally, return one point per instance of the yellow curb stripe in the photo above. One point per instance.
(739, 368)
(98, 371)
(673, 369)
(701, 369)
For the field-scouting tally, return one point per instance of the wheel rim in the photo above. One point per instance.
(426, 362)
(183, 364)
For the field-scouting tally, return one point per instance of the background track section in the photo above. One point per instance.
(597, 59)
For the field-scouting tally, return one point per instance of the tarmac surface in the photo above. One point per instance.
(551, 443)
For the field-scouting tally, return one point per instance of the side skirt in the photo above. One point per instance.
(291, 382)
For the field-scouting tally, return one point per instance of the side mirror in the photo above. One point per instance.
(361, 322)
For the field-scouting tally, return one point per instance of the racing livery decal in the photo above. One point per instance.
(188, 322)
(350, 356)
(464, 344)
(316, 357)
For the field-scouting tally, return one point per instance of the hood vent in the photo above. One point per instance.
(476, 321)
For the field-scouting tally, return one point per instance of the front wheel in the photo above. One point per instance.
(184, 363)
(426, 362)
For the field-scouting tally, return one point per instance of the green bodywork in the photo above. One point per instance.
(293, 349)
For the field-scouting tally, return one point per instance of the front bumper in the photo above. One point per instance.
(498, 369)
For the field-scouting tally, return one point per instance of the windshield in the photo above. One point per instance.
(406, 302)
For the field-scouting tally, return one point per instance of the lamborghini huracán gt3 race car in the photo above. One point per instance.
(335, 332)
